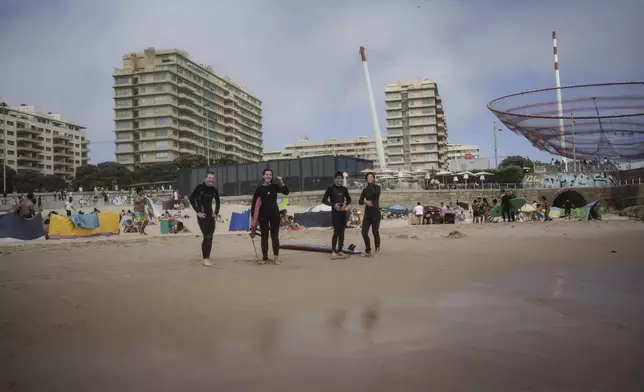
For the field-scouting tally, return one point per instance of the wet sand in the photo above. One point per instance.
(540, 307)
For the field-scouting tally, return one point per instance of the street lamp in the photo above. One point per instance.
(466, 177)
(4, 137)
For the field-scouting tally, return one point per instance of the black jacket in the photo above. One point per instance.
(202, 197)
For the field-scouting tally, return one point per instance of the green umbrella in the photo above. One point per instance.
(517, 203)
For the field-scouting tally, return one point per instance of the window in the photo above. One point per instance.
(123, 102)
(48, 166)
(161, 132)
(121, 136)
(160, 99)
(48, 158)
(162, 121)
(160, 110)
(161, 155)
(123, 124)
(122, 80)
(122, 91)
(162, 145)
(159, 76)
(123, 113)
(159, 88)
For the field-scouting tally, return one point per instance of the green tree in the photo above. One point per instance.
(190, 161)
(227, 160)
(155, 172)
(509, 175)
(32, 181)
(517, 160)
(102, 175)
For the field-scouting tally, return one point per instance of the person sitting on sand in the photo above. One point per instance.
(27, 207)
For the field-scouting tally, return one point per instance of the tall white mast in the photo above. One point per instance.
(559, 103)
(374, 116)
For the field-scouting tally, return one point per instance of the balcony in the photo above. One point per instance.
(63, 153)
(26, 139)
(60, 136)
(27, 148)
(62, 163)
(27, 158)
(185, 150)
(27, 167)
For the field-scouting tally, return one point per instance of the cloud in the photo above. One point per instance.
(301, 57)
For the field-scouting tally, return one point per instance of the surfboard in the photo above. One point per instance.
(255, 218)
(319, 248)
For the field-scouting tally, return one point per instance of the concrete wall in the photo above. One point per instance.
(621, 197)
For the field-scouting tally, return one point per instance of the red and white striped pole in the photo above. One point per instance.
(559, 102)
(372, 106)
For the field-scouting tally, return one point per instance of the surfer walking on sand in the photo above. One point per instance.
(337, 197)
(370, 198)
(269, 213)
(201, 201)
(140, 215)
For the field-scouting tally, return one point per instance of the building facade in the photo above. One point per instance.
(463, 151)
(362, 147)
(416, 126)
(33, 140)
(166, 105)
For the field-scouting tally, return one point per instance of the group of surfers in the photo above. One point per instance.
(268, 216)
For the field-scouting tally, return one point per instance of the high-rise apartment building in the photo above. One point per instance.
(33, 140)
(462, 151)
(166, 105)
(361, 147)
(416, 126)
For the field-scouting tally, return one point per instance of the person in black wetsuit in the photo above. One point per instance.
(370, 197)
(201, 200)
(337, 197)
(269, 213)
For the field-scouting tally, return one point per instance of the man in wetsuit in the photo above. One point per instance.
(506, 206)
(370, 197)
(269, 213)
(337, 197)
(201, 200)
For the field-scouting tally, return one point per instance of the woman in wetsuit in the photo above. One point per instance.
(337, 197)
(201, 200)
(370, 197)
(269, 213)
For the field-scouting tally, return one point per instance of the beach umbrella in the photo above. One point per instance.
(397, 209)
(527, 208)
(368, 171)
(483, 173)
(444, 173)
(466, 173)
(517, 203)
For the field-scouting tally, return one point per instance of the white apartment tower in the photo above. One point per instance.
(360, 147)
(416, 127)
(43, 142)
(166, 105)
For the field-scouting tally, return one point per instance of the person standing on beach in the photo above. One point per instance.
(505, 205)
(140, 215)
(419, 211)
(269, 213)
(337, 197)
(201, 201)
(370, 197)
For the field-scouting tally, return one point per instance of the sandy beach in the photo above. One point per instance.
(528, 306)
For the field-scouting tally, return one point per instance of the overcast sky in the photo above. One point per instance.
(301, 56)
